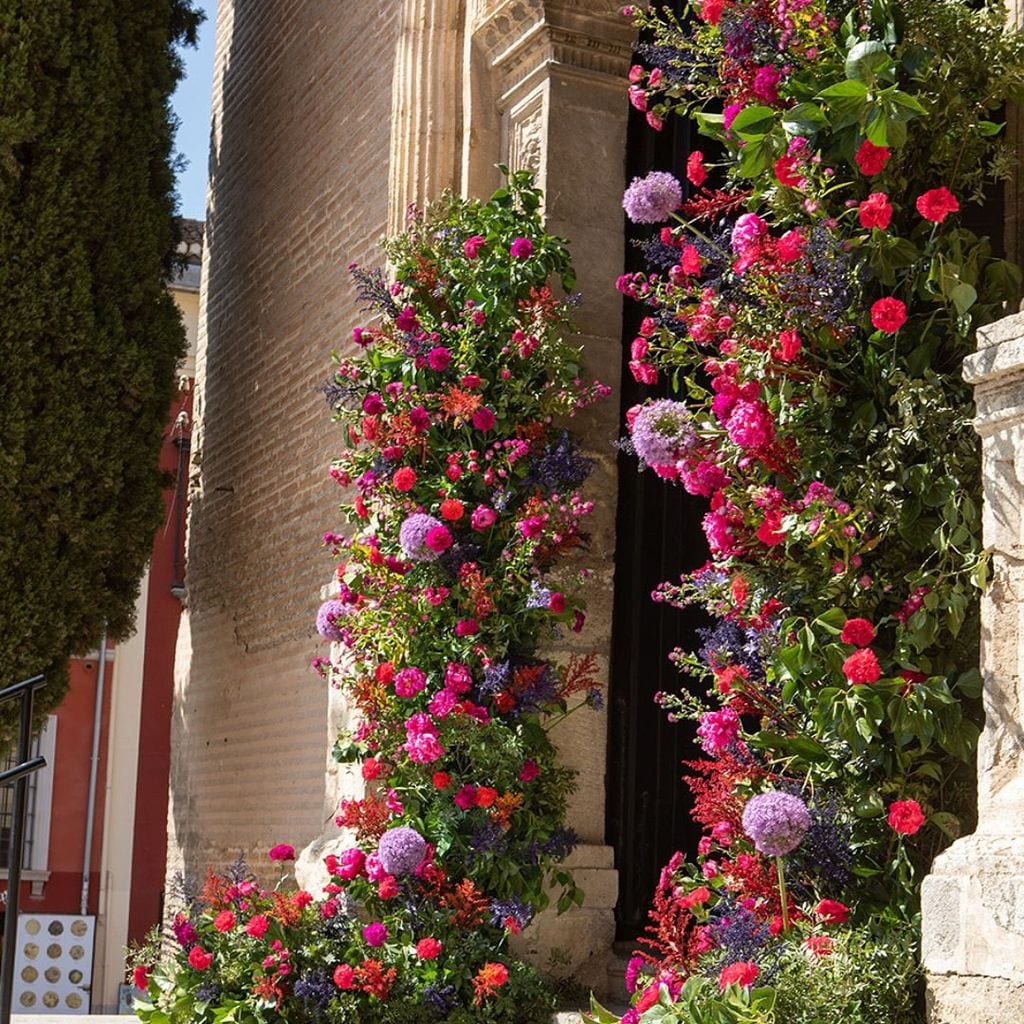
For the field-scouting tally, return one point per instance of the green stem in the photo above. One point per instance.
(782, 893)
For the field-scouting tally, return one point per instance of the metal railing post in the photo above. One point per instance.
(19, 775)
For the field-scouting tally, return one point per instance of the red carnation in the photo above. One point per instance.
(786, 171)
(283, 851)
(936, 204)
(441, 780)
(711, 11)
(452, 509)
(743, 974)
(889, 315)
(258, 924)
(696, 172)
(875, 211)
(862, 667)
(871, 159)
(404, 479)
(485, 796)
(905, 816)
(199, 958)
(345, 976)
(224, 921)
(428, 949)
(832, 912)
(858, 632)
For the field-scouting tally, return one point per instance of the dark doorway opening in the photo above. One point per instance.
(659, 537)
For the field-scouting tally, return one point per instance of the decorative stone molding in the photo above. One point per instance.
(519, 37)
(973, 901)
(426, 106)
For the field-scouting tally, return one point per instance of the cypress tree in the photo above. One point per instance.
(89, 337)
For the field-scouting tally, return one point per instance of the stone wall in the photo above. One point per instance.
(299, 157)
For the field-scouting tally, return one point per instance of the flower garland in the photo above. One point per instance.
(813, 295)
(466, 500)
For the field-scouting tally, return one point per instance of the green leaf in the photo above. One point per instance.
(753, 122)
(963, 296)
(867, 60)
(989, 128)
(804, 119)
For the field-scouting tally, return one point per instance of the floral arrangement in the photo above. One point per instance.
(810, 294)
(465, 500)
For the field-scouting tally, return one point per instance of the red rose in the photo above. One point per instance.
(696, 172)
(224, 921)
(428, 949)
(404, 479)
(889, 315)
(862, 667)
(858, 632)
(905, 816)
(832, 912)
(743, 974)
(199, 958)
(871, 159)
(937, 204)
(875, 211)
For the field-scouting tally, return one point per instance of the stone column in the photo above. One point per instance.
(973, 902)
(555, 78)
(426, 115)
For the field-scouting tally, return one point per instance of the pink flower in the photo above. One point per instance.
(466, 797)
(439, 358)
(406, 320)
(375, 934)
(457, 677)
(766, 83)
(472, 246)
(529, 771)
(345, 976)
(521, 249)
(283, 851)
(467, 627)
(818, 945)
(750, 424)
(748, 230)
(257, 926)
(888, 315)
(409, 682)
(438, 539)
(789, 345)
(936, 204)
(905, 817)
(832, 912)
(484, 418)
(350, 864)
(718, 730)
(442, 703)
(556, 602)
(404, 479)
(483, 517)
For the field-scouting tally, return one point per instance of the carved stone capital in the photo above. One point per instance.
(520, 37)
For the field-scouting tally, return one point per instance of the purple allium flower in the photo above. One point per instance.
(412, 535)
(330, 617)
(650, 200)
(661, 431)
(776, 821)
(401, 850)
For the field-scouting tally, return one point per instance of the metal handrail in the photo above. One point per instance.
(18, 777)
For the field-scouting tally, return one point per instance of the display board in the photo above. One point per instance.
(53, 968)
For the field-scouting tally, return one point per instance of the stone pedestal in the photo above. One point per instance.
(973, 902)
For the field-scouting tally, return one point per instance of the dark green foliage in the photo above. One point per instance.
(89, 337)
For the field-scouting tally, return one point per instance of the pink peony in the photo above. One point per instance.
(409, 682)
(257, 926)
(748, 230)
(871, 159)
(750, 424)
(743, 974)
(439, 358)
(199, 959)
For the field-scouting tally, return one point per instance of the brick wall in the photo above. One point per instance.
(301, 113)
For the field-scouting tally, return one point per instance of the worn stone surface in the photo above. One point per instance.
(299, 155)
(973, 901)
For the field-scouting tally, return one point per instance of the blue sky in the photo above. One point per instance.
(191, 102)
